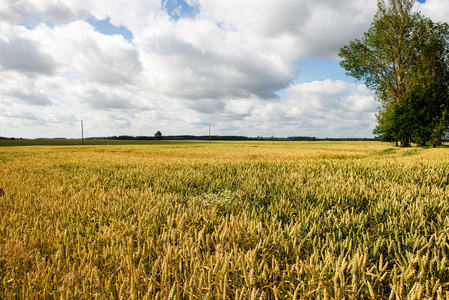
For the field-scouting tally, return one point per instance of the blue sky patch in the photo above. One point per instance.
(30, 25)
(283, 94)
(178, 9)
(312, 69)
(105, 27)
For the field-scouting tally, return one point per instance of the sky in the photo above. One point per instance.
(135, 67)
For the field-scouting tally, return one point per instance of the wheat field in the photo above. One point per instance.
(224, 220)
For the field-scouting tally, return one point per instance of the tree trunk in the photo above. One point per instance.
(405, 143)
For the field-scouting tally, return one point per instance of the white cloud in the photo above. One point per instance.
(437, 10)
(23, 88)
(132, 14)
(223, 67)
(34, 12)
(326, 108)
(91, 56)
(22, 120)
(296, 28)
(196, 59)
(22, 54)
(33, 98)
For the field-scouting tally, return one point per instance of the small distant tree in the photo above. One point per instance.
(158, 135)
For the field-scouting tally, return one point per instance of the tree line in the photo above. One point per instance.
(229, 138)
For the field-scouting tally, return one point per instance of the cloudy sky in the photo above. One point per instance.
(244, 67)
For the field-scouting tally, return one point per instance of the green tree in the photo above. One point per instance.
(404, 58)
(158, 135)
(407, 121)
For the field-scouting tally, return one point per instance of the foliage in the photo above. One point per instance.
(404, 58)
(294, 220)
(158, 135)
(409, 121)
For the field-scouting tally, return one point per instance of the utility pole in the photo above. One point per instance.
(82, 132)
(273, 137)
(209, 134)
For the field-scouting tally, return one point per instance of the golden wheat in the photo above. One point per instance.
(246, 220)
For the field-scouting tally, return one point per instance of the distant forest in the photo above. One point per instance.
(231, 138)
(212, 138)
